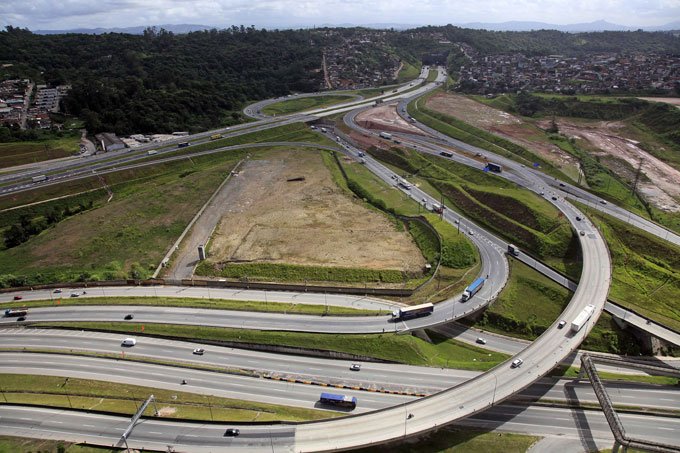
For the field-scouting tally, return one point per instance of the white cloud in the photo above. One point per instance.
(66, 14)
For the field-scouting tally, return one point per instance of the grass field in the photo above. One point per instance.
(431, 75)
(530, 303)
(388, 346)
(408, 72)
(216, 304)
(19, 153)
(454, 439)
(646, 270)
(24, 445)
(124, 399)
(305, 103)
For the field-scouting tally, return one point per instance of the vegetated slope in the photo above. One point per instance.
(516, 214)
(646, 271)
(531, 302)
(125, 238)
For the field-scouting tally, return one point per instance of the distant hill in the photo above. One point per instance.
(599, 25)
(175, 28)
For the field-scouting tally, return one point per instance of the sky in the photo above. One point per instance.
(69, 14)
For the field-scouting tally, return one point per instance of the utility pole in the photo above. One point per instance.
(637, 175)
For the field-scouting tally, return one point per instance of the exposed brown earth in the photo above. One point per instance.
(661, 184)
(268, 218)
(384, 117)
(502, 124)
(672, 101)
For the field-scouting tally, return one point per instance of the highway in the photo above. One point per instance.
(375, 376)
(468, 398)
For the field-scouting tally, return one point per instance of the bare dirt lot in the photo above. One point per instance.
(503, 124)
(268, 218)
(661, 184)
(385, 117)
(672, 101)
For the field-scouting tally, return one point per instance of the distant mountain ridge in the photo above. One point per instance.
(599, 25)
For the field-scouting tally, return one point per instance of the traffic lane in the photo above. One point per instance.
(148, 433)
(200, 382)
(193, 292)
(378, 375)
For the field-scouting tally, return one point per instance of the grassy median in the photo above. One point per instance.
(92, 395)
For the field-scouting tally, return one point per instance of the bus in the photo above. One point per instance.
(413, 312)
(333, 399)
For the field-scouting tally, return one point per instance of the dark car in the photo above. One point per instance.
(232, 432)
(578, 218)
(129, 316)
(21, 318)
(554, 198)
(18, 297)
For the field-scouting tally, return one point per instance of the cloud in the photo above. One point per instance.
(35, 14)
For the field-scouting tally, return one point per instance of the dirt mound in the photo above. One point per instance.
(385, 117)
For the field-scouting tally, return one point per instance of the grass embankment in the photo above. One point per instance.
(216, 304)
(572, 372)
(84, 394)
(19, 153)
(10, 444)
(459, 258)
(651, 126)
(646, 270)
(305, 103)
(454, 439)
(530, 303)
(518, 215)
(431, 75)
(406, 349)
(408, 72)
(125, 237)
(474, 136)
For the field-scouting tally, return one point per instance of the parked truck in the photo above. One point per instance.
(16, 312)
(473, 288)
(582, 318)
(386, 135)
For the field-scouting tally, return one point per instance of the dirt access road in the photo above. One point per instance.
(266, 217)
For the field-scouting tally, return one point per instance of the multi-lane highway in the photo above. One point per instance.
(465, 399)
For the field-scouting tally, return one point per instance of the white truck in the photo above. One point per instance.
(386, 136)
(582, 318)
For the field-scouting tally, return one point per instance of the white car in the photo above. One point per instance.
(516, 363)
(199, 351)
(355, 367)
(128, 342)
(481, 340)
(471, 233)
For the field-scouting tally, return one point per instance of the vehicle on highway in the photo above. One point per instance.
(18, 297)
(333, 399)
(554, 198)
(57, 291)
(516, 363)
(561, 184)
(75, 295)
(471, 233)
(578, 218)
(446, 154)
(481, 340)
(232, 432)
(355, 367)
(582, 318)
(473, 288)
(129, 316)
(413, 312)
(513, 250)
(603, 201)
(128, 342)
(16, 312)
(183, 144)
(199, 351)
(561, 324)
(582, 233)
(21, 318)
(215, 136)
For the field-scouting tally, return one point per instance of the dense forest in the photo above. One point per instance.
(162, 82)
(159, 81)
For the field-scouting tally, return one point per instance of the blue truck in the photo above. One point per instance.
(334, 399)
(473, 288)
